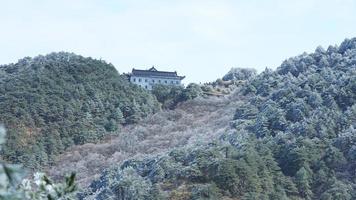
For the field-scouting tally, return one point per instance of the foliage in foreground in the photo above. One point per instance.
(294, 138)
(14, 187)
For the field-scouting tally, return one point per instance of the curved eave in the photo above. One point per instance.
(164, 77)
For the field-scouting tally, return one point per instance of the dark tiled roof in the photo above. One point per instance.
(154, 72)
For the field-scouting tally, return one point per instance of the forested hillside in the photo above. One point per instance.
(199, 120)
(291, 135)
(49, 103)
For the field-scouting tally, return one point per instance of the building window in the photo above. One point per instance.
(145, 80)
(171, 82)
(146, 86)
(159, 81)
(134, 80)
(153, 81)
(165, 81)
(177, 82)
(139, 80)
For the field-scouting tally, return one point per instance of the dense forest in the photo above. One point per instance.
(49, 103)
(292, 136)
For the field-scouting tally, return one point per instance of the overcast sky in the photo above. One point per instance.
(201, 39)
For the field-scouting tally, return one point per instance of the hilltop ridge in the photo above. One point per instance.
(49, 103)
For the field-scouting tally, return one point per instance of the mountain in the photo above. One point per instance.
(283, 134)
(49, 103)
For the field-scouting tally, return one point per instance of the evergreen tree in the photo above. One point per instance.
(303, 179)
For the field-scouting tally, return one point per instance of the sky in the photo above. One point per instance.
(201, 39)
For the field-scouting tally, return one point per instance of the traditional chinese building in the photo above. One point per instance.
(150, 77)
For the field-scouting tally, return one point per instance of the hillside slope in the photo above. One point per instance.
(286, 134)
(196, 121)
(49, 103)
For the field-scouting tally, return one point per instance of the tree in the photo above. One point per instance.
(239, 74)
(303, 179)
(132, 186)
(334, 158)
(118, 116)
(133, 113)
(192, 91)
(162, 92)
(270, 120)
(168, 95)
(297, 111)
(111, 125)
(338, 191)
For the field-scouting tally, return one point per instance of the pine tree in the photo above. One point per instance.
(118, 116)
(303, 179)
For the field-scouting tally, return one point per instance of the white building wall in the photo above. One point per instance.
(148, 82)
